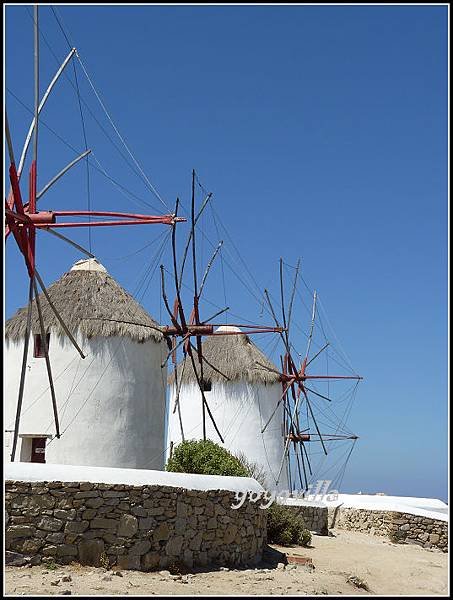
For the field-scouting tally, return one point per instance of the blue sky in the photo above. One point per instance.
(322, 132)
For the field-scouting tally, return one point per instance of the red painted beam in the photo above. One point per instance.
(48, 219)
(333, 377)
(191, 330)
(250, 331)
(166, 219)
(302, 378)
(207, 329)
(103, 223)
(261, 327)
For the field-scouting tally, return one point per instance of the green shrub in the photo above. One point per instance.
(104, 560)
(50, 564)
(205, 457)
(285, 527)
(304, 537)
(253, 469)
(396, 536)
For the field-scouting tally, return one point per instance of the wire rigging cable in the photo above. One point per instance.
(143, 174)
(86, 159)
(234, 270)
(102, 128)
(126, 192)
(145, 177)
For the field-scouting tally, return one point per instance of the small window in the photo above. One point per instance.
(33, 447)
(206, 386)
(38, 450)
(38, 351)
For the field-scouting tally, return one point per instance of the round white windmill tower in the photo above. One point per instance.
(111, 405)
(241, 395)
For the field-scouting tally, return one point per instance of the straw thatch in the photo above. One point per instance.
(236, 356)
(85, 299)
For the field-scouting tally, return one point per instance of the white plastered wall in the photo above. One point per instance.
(111, 405)
(240, 411)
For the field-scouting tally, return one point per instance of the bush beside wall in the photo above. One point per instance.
(285, 527)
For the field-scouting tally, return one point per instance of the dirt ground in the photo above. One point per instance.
(386, 569)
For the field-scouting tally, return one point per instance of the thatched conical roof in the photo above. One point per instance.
(86, 296)
(236, 356)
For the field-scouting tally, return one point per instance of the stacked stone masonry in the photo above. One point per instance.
(403, 528)
(133, 527)
(315, 517)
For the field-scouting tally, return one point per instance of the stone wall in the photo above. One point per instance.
(133, 527)
(315, 517)
(403, 528)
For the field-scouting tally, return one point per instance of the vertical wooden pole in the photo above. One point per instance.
(195, 291)
(48, 367)
(36, 65)
(24, 367)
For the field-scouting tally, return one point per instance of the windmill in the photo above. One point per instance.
(23, 220)
(194, 326)
(296, 381)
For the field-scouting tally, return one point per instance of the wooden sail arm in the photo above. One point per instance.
(357, 377)
(314, 437)
(205, 329)
(47, 219)
(302, 378)
(302, 437)
(190, 330)
(40, 107)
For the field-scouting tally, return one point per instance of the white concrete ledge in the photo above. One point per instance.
(24, 471)
(301, 502)
(430, 508)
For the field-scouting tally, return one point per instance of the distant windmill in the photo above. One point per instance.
(296, 390)
(194, 326)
